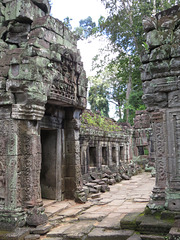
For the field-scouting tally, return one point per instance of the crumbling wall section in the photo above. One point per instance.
(160, 77)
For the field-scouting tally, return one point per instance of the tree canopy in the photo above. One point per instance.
(118, 81)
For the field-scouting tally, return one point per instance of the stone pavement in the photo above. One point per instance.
(98, 218)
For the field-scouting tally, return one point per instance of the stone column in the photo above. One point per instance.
(117, 154)
(20, 164)
(109, 154)
(73, 177)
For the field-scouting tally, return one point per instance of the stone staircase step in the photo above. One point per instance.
(41, 230)
(152, 237)
(55, 208)
(72, 231)
(32, 237)
(49, 238)
(104, 234)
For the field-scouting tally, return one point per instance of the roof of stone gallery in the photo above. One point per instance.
(99, 122)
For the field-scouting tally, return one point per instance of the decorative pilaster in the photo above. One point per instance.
(159, 135)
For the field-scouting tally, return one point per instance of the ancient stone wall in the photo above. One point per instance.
(104, 144)
(160, 76)
(141, 133)
(42, 92)
(104, 148)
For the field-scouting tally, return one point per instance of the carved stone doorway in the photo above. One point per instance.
(50, 176)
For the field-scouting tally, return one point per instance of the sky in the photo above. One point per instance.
(77, 10)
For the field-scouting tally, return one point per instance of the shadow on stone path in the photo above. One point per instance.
(98, 218)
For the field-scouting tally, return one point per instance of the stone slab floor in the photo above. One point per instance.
(98, 218)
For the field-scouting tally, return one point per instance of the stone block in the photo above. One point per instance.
(161, 67)
(18, 33)
(43, 5)
(167, 84)
(2, 83)
(176, 36)
(4, 71)
(24, 72)
(175, 64)
(49, 23)
(175, 50)
(148, 99)
(166, 22)
(3, 30)
(39, 43)
(103, 234)
(41, 230)
(160, 53)
(69, 37)
(22, 9)
(32, 237)
(154, 39)
(82, 91)
(19, 233)
(152, 237)
(135, 237)
(47, 35)
(36, 217)
(145, 57)
(146, 74)
(149, 23)
(174, 99)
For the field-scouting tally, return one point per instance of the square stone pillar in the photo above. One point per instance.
(20, 164)
(73, 177)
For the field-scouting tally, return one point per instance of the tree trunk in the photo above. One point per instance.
(119, 109)
(128, 90)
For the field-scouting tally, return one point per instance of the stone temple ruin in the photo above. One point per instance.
(42, 93)
(44, 153)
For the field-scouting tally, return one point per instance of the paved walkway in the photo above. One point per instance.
(98, 217)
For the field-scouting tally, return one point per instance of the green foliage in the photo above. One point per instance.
(98, 97)
(99, 122)
(86, 28)
(67, 22)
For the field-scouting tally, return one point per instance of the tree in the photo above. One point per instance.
(98, 97)
(123, 27)
(67, 22)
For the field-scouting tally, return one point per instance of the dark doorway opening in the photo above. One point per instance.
(92, 156)
(141, 150)
(104, 156)
(48, 165)
(113, 154)
(121, 154)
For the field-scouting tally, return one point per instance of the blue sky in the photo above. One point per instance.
(77, 9)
